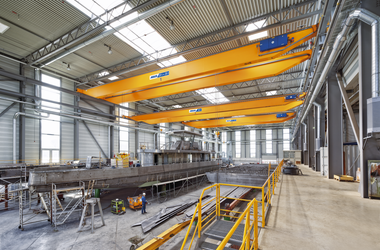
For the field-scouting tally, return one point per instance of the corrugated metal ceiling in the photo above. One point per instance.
(192, 18)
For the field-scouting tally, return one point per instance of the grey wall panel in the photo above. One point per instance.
(6, 120)
(87, 145)
(32, 140)
(115, 140)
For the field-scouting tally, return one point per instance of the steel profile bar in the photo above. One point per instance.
(141, 16)
(256, 71)
(200, 43)
(350, 112)
(71, 92)
(7, 109)
(228, 60)
(240, 121)
(93, 137)
(220, 114)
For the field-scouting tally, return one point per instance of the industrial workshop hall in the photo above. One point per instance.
(189, 124)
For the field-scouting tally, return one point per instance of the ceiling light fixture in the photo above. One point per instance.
(172, 26)
(109, 49)
(68, 65)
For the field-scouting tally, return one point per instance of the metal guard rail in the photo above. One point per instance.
(267, 192)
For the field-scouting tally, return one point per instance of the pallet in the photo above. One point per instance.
(343, 178)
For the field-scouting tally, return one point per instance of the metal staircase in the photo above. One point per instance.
(214, 233)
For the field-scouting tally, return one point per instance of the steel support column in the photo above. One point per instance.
(76, 130)
(311, 139)
(334, 127)
(21, 137)
(321, 124)
(111, 137)
(368, 149)
(137, 137)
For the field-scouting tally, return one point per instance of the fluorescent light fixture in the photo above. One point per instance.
(3, 28)
(212, 95)
(255, 26)
(113, 78)
(177, 106)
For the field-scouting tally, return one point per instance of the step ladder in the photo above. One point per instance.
(91, 202)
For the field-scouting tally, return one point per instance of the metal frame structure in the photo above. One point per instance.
(211, 39)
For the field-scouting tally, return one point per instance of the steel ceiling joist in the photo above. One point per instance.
(228, 60)
(240, 121)
(224, 114)
(256, 71)
(211, 39)
(280, 79)
(209, 109)
(92, 26)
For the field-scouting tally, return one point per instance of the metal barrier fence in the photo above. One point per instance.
(206, 213)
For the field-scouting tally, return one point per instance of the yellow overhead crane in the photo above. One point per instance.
(224, 61)
(252, 72)
(253, 107)
(241, 121)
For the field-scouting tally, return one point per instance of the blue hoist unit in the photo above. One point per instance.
(290, 97)
(274, 42)
(282, 115)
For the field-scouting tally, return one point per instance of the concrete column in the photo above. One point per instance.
(311, 138)
(334, 127)
(369, 151)
(21, 137)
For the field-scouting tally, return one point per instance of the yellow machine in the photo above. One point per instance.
(135, 202)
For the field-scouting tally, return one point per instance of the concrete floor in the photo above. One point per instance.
(114, 235)
(308, 212)
(311, 212)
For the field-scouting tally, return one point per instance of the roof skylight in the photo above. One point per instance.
(140, 36)
(3, 28)
(255, 26)
(212, 95)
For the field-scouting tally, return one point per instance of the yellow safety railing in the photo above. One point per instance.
(251, 220)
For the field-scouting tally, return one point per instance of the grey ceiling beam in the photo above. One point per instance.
(71, 92)
(89, 28)
(284, 77)
(105, 33)
(195, 44)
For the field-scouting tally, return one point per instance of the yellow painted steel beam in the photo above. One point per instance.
(254, 111)
(224, 61)
(240, 121)
(158, 241)
(256, 71)
(209, 109)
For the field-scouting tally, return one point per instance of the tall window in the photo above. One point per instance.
(162, 136)
(268, 136)
(286, 138)
(124, 132)
(51, 128)
(238, 143)
(224, 143)
(252, 136)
